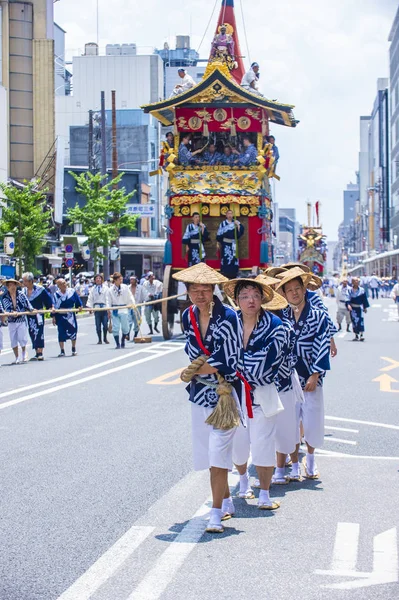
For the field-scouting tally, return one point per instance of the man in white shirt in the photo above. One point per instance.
(137, 292)
(251, 78)
(99, 298)
(342, 297)
(120, 295)
(152, 290)
(186, 84)
(374, 285)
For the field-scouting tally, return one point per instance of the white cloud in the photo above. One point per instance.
(323, 56)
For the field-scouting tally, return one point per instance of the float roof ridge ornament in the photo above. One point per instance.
(227, 17)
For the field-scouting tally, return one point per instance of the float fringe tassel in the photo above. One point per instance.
(225, 415)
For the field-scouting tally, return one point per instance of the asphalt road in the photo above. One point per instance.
(99, 501)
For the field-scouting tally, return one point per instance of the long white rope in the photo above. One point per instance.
(207, 27)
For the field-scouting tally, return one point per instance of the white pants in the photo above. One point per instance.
(342, 313)
(259, 438)
(211, 447)
(311, 413)
(287, 422)
(18, 334)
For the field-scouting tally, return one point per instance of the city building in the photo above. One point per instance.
(285, 230)
(394, 122)
(348, 229)
(183, 56)
(361, 240)
(62, 76)
(27, 72)
(379, 192)
(136, 78)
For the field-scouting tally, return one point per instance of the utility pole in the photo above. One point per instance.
(104, 172)
(90, 145)
(117, 263)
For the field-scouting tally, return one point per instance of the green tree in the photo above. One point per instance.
(26, 215)
(104, 213)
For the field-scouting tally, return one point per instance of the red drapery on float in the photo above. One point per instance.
(221, 119)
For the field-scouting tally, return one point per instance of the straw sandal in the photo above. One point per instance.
(214, 528)
(248, 495)
(280, 480)
(315, 475)
(272, 506)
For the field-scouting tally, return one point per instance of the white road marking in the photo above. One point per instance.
(107, 564)
(342, 429)
(333, 454)
(384, 425)
(341, 441)
(345, 547)
(164, 570)
(63, 386)
(8, 349)
(342, 334)
(81, 371)
(385, 559)
(376, 305)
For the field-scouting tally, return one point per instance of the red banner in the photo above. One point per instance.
(221, 119)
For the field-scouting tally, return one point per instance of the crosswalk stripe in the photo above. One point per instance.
(107, 564)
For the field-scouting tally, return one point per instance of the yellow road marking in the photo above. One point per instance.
(394, 364)
(163, 379)
(386, 382)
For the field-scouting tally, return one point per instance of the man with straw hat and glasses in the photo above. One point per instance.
(311, 355)
(264, 348)
(213, 344)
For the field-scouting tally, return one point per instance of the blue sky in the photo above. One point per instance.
(323, 56)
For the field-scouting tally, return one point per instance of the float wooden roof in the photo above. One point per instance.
(218, 89)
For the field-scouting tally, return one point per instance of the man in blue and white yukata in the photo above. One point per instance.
(264, 349)
(311, 355)
(67, 324)
(229, 232)
(196, 233)
(213, 329)
(357, 304)
(185, 156)
(248, 156)
(40, 299)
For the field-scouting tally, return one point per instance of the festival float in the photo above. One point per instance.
(218, 111)
(312, 243)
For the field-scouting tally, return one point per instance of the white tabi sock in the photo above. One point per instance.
(310, 463)
(295, 469)
(279, 472)
(216, 516)
(264, 497)
(244, 483)
(228, 506)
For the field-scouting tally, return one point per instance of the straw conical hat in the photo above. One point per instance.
(294, 273)
(273, 271)
(7, 281)
(201, 274)
(266, 279)
(292, 265)
(229, 288)
(278, 302)
(315, 283)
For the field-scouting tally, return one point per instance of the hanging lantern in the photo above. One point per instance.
(9, 244)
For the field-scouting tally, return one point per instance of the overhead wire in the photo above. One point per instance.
(207, 27)
(245, 32)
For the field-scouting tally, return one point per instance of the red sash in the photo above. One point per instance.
(248, 389)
